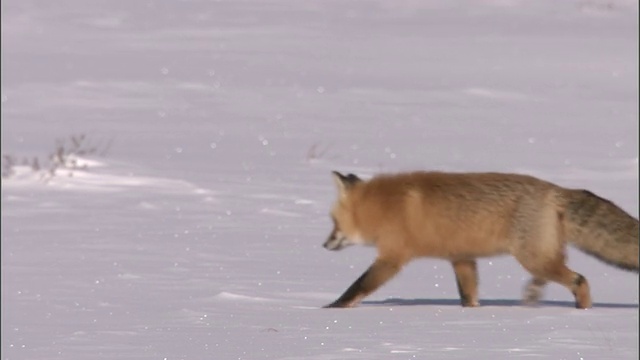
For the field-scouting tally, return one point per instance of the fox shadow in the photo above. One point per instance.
(490, 302)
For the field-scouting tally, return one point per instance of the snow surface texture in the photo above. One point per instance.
(198, 235)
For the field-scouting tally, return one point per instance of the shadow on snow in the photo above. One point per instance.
(490, 302)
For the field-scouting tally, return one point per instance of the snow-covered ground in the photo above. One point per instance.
(194, 229)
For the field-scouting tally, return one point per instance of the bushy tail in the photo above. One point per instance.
(602, 229)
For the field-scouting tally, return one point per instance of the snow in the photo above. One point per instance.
(197, 234)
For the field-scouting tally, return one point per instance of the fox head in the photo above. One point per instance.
(344, 232)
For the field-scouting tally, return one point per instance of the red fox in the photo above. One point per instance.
(464, 216)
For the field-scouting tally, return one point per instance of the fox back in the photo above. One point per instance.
(438, 214)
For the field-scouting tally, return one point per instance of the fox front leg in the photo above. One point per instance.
(467, 281)
(377, 274)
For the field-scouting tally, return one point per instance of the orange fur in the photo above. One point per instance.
(463, 216)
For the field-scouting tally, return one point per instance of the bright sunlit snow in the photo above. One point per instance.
(168, 168)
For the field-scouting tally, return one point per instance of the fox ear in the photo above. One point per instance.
(344, 183)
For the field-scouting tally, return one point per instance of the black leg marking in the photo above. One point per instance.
(377, 274)
(577, 282)
(351, 293)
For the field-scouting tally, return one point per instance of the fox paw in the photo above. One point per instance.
(340, 304)
(335, 305)
(473, 303)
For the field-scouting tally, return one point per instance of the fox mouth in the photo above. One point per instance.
(336, 243)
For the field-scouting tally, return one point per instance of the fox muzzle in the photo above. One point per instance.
(336, 241)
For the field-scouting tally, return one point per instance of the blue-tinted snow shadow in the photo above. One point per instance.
(490, 302)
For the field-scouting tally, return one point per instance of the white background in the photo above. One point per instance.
(197, 233)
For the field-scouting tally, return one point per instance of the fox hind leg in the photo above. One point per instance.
(541, 251)
(575, 282)
(467, 280)
(555, 270)
(533, 290)
(376, 275)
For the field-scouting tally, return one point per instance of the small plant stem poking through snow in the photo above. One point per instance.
(65, 156)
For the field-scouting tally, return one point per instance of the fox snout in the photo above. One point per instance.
(336, 241)
(339, 240)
